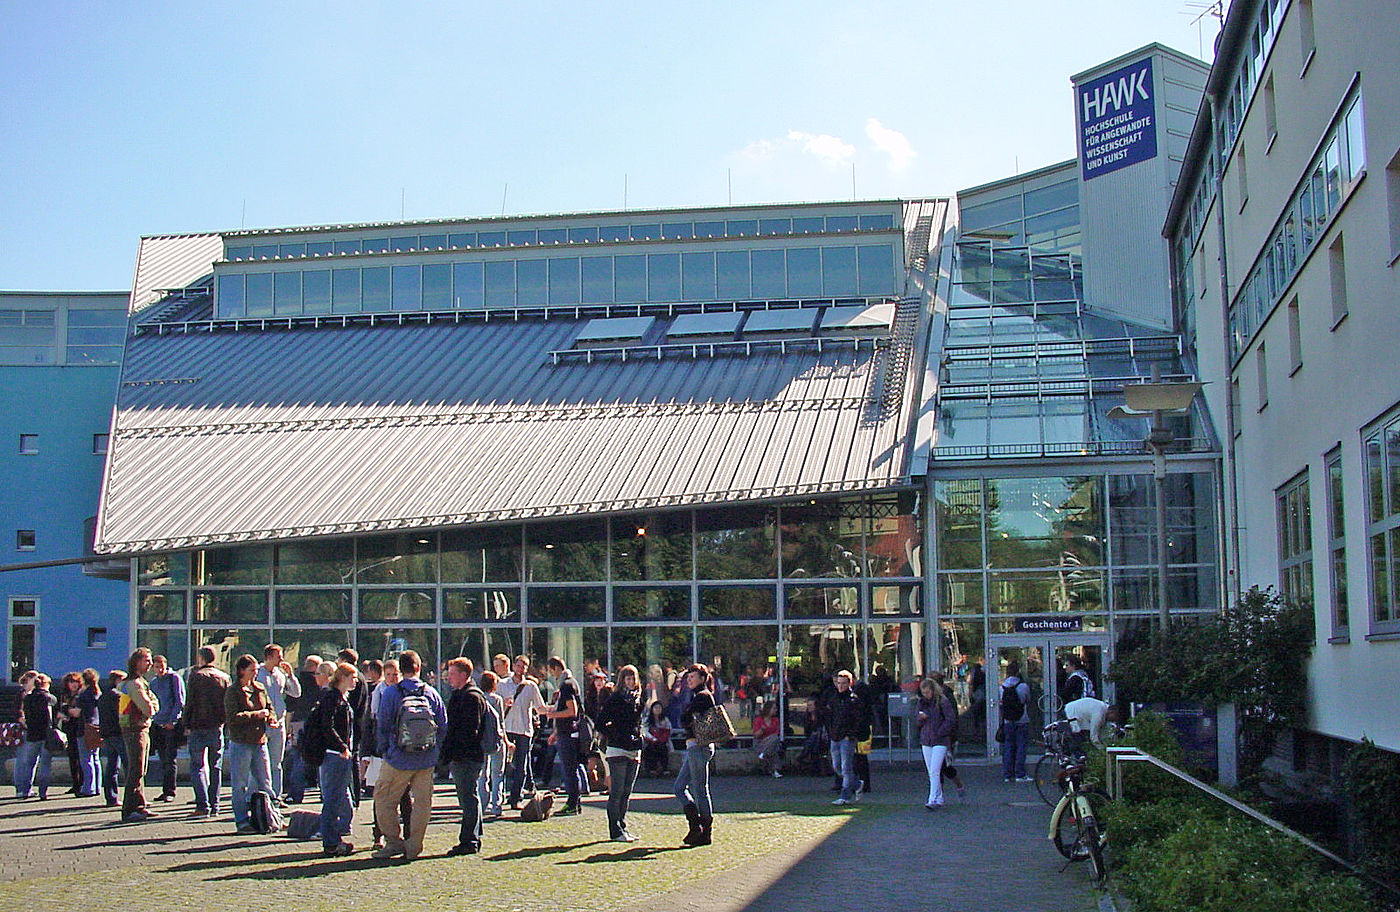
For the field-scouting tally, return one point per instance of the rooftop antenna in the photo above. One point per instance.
(403, 199)
(853, 181)
(624, 190)
(729, 172)
(1204, 8)
(243, 219)
(504, 190)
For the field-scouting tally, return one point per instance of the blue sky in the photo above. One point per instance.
(151, 118)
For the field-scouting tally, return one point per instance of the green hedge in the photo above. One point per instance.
(1175, 848)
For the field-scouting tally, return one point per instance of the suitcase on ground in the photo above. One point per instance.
(539, 807)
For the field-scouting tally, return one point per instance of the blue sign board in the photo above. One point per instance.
(1117, 120)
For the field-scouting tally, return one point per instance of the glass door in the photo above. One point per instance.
(1031, 653)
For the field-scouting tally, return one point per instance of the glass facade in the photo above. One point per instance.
(785, 594)
(544, 280)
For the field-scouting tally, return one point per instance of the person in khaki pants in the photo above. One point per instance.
(410, 726)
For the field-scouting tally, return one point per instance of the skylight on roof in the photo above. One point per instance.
(612, 331)
(787, 321)
(874, 320)
(705, 326)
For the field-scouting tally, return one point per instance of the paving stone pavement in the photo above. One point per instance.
(779, 845)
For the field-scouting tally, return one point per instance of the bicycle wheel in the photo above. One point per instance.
(1070, 839)
(1093, 844)
(1047, 779)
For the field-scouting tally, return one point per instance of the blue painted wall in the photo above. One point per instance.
(54, 493)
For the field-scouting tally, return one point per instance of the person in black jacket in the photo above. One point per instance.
(846, 723)
(693, 783)
(620, 722)
(113, 747)
(39, 708)
(334, 724)
(461, 750)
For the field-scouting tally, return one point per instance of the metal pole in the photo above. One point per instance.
(1159, 476)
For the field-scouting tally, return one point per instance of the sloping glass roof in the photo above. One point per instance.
(1027, 370)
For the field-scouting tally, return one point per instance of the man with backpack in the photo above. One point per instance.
(462, 750)
(1015, 724)
(410, 726)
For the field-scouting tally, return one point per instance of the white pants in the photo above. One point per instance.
(933, 759)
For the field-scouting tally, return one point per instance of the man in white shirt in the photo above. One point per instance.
(276, 675)
(1087, 716)
(519, 725)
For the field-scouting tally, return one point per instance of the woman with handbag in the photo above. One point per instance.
(39, 709)
(620, 722)
(693, 783)
(89, 737)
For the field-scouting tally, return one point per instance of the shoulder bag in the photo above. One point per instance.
(713, 726)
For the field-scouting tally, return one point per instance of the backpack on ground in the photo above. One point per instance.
(1012, 706)
(539, 807)
(490, 729)
(416, 723)
(263, 814)
(303, 825)
(312, 742)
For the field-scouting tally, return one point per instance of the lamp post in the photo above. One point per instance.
(1158, 399)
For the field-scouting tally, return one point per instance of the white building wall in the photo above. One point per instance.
(1295, 411)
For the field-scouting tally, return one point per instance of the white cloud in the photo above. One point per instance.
(831, 149)
(757, 151)
(892, 142)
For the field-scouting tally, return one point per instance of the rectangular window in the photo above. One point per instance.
(23, 645)
(286, 293)
(1242, 173)
(1307, 32)
(1295, 541)
(1337, 271)
(1337, 545)
(25, 539)
(1382, 465)
(1235, 406)
(97, 637)
(29, 444)
(345, 290)
(1261, 373)
(374, 289)
(1295, 337)
(1392, 192)
(1270, 115)
(24, 608)
(316, 291)
(407, 288)
(100, 443)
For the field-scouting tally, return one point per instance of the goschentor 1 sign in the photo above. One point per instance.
(1117, 120)
(1072, 624)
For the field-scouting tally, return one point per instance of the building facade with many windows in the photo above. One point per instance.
(1285, 231)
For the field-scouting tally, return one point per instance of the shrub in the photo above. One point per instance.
(1208, 864)
(1151, 732)
(1372, 780)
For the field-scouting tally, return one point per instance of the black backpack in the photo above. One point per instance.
(1012, 706)
(263, 814)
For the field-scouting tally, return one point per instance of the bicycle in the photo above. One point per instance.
(1076, 824)
(1047, 769)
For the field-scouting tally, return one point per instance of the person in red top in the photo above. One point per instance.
(768, 740)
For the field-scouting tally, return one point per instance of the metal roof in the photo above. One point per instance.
(225, 436)
(172, 261)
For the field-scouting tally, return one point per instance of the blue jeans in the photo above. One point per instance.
(1013, 749)
(27, 756)
(247, 773)
(623, 771)
(205, 774)
(336, 810)
(295, 783)
(569, 766)
(276, 748)
(693, 783)
(492, 782)
(91, 769)
(113, 754)
(522, 777)
(843, 763)
(465, 774)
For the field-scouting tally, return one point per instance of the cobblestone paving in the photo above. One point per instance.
(779, 845)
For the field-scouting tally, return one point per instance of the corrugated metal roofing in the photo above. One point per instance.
(247, 435)
(172, 261)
